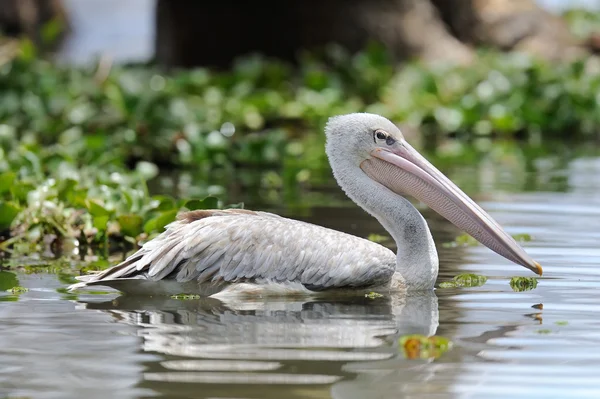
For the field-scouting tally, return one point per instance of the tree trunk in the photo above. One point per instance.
(214, 33)
(510, 25)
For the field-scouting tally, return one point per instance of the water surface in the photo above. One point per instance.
(543, 343)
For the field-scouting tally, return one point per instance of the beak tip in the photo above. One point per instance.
(538, 267)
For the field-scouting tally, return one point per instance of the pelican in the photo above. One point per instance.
(244, 252)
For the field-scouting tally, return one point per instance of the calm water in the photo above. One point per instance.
(543, 343)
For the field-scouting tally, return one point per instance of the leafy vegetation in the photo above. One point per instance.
(520, 284)
(465, 280)
(7, 281)
(80, 147)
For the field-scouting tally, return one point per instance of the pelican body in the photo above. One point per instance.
(243, 252)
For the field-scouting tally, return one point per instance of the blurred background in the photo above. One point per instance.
(127, 31)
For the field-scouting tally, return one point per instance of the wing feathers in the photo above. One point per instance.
(229, 246)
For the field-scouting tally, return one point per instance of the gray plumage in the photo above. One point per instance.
(206, 251)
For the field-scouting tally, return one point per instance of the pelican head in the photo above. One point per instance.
(374, 145)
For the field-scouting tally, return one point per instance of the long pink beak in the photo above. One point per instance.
(406, 172)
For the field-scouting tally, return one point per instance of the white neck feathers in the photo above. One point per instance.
(417, 259)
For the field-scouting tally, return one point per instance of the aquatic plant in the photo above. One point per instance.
(416, 346)
(18, 290)
(465, 280)
(79, 145)
(520, 284)
(53, 205)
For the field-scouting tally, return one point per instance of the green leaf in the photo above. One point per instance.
(8, 213)
(17, 290)
(166, 203)
(96, 208)
(67, 189)
(520, 284)
(159, 222)
(465, 280)
(51, 31)
(131, 224)
(19, 191)
(8, 280)
(523, 237)
(206, 203)
(28, 50)
(100, 222)
(7, 180)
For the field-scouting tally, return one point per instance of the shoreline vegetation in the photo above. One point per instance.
(78, 146)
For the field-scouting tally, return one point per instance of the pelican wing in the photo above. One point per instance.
(244, 246)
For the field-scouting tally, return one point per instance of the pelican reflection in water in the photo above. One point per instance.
(242, 252)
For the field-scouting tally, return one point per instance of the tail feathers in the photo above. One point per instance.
(89, 281)
(126, 270)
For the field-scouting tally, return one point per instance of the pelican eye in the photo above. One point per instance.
(381, 135)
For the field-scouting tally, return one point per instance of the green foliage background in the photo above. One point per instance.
(78, 145)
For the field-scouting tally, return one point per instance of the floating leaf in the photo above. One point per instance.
(418, 346)
(18, 290)
(465, 280)
(8, 280)
(519, 284)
